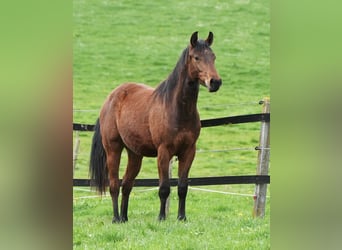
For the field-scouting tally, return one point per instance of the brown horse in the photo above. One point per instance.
(162, 122)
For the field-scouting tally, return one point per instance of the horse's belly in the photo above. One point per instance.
(139, 144)
(136, 136)
(148, 151)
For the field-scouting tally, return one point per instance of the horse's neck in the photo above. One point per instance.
(184, 97)
(179, 93)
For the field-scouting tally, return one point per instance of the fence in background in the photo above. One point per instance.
(261, 179)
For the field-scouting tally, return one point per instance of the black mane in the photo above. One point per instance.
(167, 86)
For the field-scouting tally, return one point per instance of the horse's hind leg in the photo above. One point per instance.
(185, 161)
(113, 163)
(164, 182)
(132, 170)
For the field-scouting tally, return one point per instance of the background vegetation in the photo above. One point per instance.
(120, 41)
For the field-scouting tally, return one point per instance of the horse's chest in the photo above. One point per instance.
(178, 138)
(186, 136)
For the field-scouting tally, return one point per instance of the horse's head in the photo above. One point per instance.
(201, 62)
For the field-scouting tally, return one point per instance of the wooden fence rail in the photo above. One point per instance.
(204, 123)
(200, 181)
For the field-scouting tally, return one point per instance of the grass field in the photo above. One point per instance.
(215, 221)
(120, 41)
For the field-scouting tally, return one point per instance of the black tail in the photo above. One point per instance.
(97, 168)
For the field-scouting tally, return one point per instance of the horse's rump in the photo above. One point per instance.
(129, 107)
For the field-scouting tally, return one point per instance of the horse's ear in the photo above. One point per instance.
(194, 38)
(210, 38)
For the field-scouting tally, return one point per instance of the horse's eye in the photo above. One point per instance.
(197, 58)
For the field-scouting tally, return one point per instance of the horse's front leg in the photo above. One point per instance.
(185, 160)
(164, 182)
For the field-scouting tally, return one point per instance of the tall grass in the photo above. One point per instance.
(120, 41)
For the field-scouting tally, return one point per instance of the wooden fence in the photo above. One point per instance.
(261, 179)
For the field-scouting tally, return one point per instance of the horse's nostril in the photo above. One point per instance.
(215, 84)
(216, 81)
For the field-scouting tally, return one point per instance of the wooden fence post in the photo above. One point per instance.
(263, 163)
(76, 151)
(167, 205)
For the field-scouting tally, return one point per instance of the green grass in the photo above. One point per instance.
(120, 41)
(215, 221)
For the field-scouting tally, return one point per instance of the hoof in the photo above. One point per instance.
(116, 220)
(182, 218)
(119, 220)
(123, 220)
(161, 217)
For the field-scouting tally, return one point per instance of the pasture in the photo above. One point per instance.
(120, 41)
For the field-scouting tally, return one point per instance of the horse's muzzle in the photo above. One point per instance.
(214, 85)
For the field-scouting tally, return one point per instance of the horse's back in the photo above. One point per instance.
(126, 95)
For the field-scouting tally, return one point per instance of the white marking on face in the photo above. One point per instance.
(207, 82)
